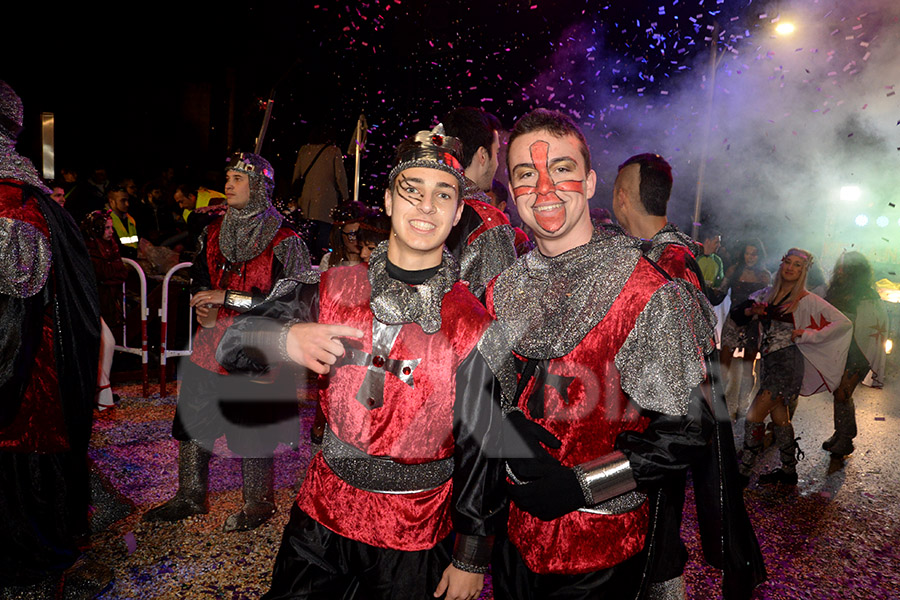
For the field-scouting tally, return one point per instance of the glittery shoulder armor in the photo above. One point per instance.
(487, 256)
(549, 304)
(294, 257)
(662, 358)
(25, 252)
(672, 235)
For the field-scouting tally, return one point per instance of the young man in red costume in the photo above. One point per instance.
(410, 453)
(606, 353)
(239, 259)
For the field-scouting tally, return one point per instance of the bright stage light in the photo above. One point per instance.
(861, 220)
(850, 193)
(882, 221)
(888, 346)
(784, 28)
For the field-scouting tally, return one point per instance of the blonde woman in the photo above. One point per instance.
(803, 342)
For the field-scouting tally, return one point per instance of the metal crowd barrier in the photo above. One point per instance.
(142, 351)
(164, 351)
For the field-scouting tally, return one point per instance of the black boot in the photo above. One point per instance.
(790, 452)
(193, 485)
(844, 429)
(259, 497)
(753, 439)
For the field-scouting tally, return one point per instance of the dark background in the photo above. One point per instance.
(144, 87)
(140, 89)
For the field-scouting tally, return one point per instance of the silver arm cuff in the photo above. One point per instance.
(605, 477)
(238, 301)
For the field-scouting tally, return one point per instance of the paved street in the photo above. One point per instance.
(836, 536)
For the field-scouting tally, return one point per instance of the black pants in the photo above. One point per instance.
(513, 580)
(43, 513)
(254, 417)
(314, 563)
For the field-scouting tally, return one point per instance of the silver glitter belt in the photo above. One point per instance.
(614, 506)
(380, 474)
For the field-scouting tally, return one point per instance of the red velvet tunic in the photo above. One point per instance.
(587, 424)
(491, 217)
(253, 276)
(673, 261)
(413, 426)
(39, 425)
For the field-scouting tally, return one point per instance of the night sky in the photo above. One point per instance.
(793, 119)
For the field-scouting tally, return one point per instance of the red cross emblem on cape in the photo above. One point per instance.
(823, 322)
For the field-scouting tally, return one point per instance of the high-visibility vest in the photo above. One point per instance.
(127, 235)
(205, 197)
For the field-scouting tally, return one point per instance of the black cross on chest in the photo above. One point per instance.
(539, 369)
(371, 392)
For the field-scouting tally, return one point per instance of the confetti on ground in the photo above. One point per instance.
(194, 559)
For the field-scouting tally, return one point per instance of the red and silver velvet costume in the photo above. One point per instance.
(411, 453)
(245, 253)
(606, 354)
(50, 343)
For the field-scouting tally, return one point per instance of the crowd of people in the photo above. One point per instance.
(529, 402)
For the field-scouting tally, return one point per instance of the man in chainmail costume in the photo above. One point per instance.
(483, 240)
(240, 257)
(50, 344)
(606, 353)
(640, 200)
(411, 451)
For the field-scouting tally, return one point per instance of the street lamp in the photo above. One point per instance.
(850, 193)
(784, 28)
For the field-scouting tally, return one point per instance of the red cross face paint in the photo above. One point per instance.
(549, 183)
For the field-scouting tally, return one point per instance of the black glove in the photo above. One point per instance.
(523, 447)
(550, 490)
(553, 495)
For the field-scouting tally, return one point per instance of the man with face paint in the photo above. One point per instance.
(606, 353)
(240, 257)
(411, 452)
(483, 240)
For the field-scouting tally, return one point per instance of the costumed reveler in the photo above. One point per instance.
(804, 342)
(606, 354)
(852, 291)
(411, 452)
(640, 201)
(744, 277)
(50, 324)
(483, 241)
(240, 258)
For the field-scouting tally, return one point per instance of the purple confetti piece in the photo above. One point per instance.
(130, 542)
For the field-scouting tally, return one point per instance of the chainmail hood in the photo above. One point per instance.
(246, 232)
(12, 164)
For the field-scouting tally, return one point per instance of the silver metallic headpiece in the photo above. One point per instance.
(432, 150)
